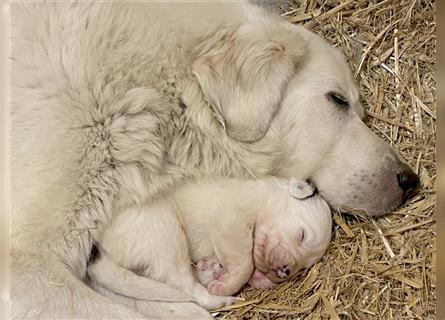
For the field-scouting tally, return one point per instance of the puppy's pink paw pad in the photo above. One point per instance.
(216, 287)
(220, 286)
(210, 265)
(203, 265)
(260, 281)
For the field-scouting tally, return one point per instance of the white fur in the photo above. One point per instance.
(213, 220)
(113, 104)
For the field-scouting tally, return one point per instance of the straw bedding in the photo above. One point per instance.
(381, 268)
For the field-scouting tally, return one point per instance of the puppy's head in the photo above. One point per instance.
(291, 234)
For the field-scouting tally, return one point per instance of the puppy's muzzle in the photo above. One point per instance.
(283, 272)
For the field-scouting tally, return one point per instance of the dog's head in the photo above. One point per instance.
(320, 122)
(291, 234)
(270, 82)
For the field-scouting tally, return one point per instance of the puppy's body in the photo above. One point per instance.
(217, 222)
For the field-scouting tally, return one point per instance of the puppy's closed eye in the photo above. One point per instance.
(301, 237)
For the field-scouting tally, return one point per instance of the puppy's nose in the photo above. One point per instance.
(283, 272)
(407, 179)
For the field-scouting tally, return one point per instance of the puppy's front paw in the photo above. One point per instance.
(210, 265)
(222, 286)
(260, 281)
(208, 270)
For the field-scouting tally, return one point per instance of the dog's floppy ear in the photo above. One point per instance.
(243, 73)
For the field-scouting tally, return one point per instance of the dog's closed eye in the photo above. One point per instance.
(338, 99)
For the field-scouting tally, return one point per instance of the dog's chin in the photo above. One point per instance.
(372, 205)
(375, 202)
(364, 194)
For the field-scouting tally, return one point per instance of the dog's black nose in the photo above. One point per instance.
(407, 179)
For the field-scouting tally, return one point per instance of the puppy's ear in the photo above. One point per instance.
(299, 189)
(244, 72)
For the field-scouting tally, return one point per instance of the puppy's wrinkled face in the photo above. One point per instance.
(292, 234)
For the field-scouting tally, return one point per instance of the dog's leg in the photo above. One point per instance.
(44, 288)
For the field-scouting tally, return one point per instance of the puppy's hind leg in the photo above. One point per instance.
(170, 260)
(156, 309)
(104, 272)
(185, 281)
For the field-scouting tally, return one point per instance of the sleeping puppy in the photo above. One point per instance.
(232, 231)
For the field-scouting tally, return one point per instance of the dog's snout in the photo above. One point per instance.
(407, 179)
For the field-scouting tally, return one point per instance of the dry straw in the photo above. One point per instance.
(375, 268)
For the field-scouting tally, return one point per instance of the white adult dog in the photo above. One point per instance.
(114, 104)
(214, 224)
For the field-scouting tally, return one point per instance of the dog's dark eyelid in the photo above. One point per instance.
(338, 99)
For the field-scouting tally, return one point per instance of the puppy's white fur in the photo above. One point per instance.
(216, 220)
(115, 103)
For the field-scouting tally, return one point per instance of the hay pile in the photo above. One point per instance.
(375, 268)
